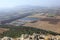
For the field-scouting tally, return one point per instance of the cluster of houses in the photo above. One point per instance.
(34, 36)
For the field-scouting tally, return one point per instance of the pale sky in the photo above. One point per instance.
(13, 3)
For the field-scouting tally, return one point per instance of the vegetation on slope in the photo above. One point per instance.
(18, 30)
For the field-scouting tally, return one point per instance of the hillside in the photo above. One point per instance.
(16, 31)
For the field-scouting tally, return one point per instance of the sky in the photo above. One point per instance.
(14, 3)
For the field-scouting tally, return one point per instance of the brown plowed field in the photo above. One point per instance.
(46, 24)
(3, 30)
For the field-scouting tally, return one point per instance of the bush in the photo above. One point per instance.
(18, 30)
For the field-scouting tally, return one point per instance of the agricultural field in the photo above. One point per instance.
(46, 22)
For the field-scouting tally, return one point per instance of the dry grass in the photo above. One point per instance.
(46, 25)
(3, 30)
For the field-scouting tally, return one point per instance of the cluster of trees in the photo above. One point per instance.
(18, 30)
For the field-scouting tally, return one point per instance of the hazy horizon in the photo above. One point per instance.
(13, 3)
